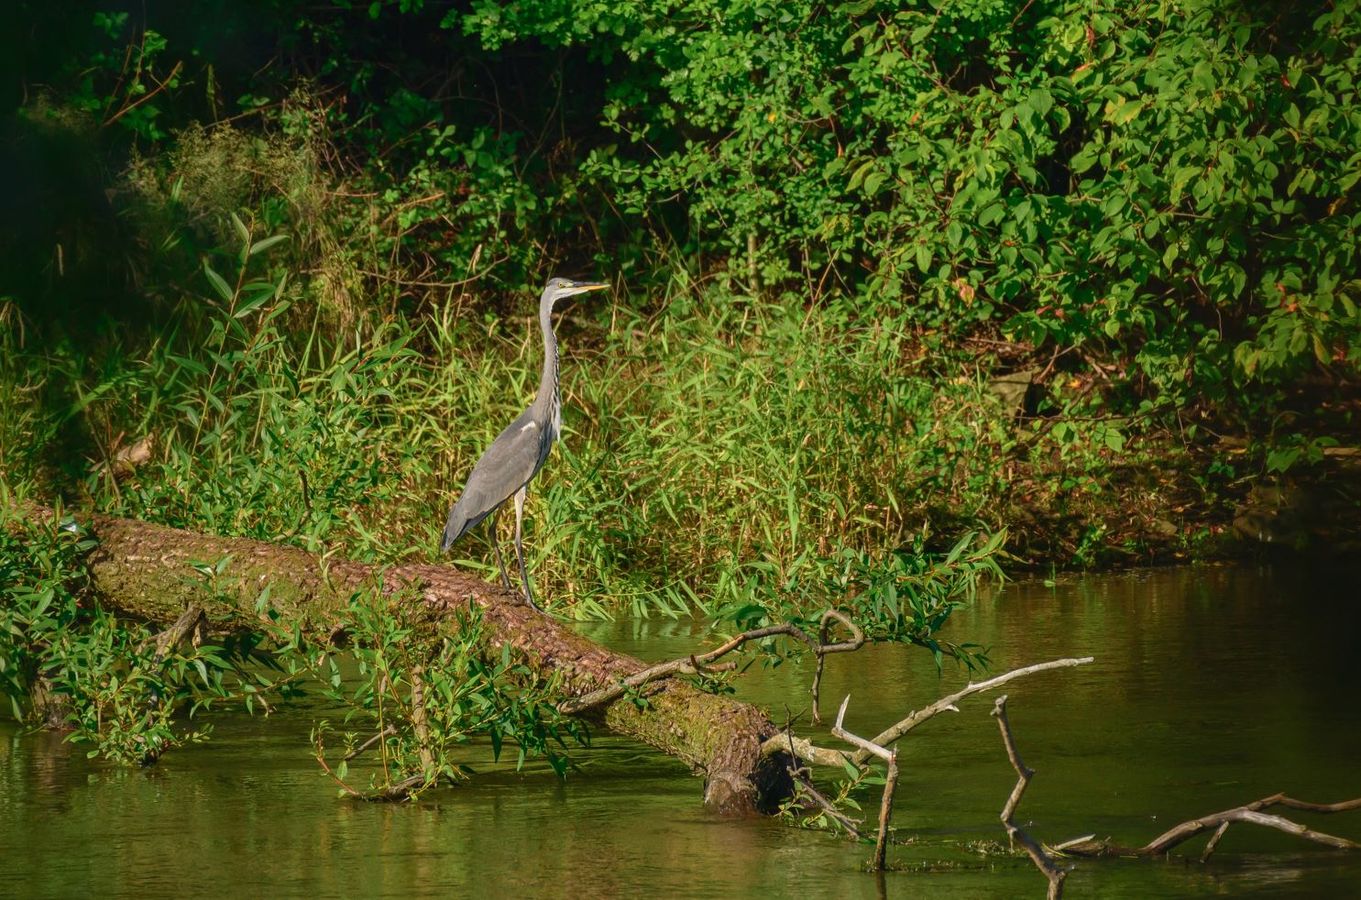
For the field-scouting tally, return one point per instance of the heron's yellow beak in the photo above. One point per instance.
(581, 287)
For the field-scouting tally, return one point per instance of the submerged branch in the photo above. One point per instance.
(1054, 872)
(890, 781)
(1251, 813)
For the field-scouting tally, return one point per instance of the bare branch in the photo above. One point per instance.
(821, 756)
(867, 746)
(805, 750)
(890, 781)
(1214, 841)
(1054, 872)
(855, 643)
(190, 622)
(385, 733)
(945, 704)
(696, 663)
(1251, 813)
(886, 811)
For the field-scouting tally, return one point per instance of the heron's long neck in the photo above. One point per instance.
(548, 400)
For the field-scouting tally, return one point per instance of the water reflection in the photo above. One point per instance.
(1212, 687)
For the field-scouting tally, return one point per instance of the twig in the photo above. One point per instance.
(319, 753)
(694, 664)
(857, 641)
(160, 86)
(188, 623)
(1054, 872)
(804, 785)
(684, 666)
(948, 703)
(385, 733)
(890, 781)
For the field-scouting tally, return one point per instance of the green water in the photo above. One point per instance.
(1212, 687)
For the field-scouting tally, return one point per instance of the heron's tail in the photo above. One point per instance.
(454, 528)
(459, 523)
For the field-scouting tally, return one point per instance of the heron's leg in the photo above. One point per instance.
(496, 545)
(519, 546)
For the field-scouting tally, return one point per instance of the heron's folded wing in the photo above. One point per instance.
(505, 467)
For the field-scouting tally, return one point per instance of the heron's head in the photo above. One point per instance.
(558, 288)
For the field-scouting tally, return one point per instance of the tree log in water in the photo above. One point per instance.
(146, 571)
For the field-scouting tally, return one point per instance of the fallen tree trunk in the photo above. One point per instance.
(146, 571)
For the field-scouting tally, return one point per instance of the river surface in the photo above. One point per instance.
(1211, 687)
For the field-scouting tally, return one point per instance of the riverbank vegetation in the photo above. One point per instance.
(904, 296)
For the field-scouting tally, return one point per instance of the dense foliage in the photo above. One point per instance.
(263, 267)
(1160, 186)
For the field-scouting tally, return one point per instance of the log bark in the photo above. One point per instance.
(146, 571)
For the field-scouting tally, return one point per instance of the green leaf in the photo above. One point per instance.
(1179, 181)
(262, 245)
(1321, 351)
(1124, 113)
(992, 213)
(241, 230)
(859, 175)
(252, 305)
(1041, 100)
(218, 282)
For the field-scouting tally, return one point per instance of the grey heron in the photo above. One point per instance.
(519, 451)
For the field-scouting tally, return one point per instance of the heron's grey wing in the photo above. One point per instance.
(505, 467)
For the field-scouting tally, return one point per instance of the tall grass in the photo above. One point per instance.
(716, 453)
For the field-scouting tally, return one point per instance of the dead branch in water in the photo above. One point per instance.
(821, 756)
(1250, 813)
(890, 780)
(1043, 861)
(947, 704)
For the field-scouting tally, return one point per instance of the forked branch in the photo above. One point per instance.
(890, 780)
(821, 756)
(1219, 822)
